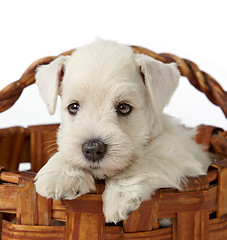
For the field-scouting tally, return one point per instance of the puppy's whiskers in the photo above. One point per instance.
(47, 142)
(50, 147)
(52, 150)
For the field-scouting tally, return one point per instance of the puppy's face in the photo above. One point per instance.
(108, 113)
(104, 117)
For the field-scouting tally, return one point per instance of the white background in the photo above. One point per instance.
(194, 29)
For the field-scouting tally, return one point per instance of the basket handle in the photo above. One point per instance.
(199, 79)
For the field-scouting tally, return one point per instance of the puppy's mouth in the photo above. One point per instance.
(95, 167)
(104, 159)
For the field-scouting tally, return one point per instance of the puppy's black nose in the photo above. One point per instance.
(94, 150)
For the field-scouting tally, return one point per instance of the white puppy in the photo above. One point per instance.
(113, 128)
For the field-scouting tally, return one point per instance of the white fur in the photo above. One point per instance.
(146, 150)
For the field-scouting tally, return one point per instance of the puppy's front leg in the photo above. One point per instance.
(122, 196)
(59, 180)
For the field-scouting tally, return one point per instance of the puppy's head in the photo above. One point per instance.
(112, 101)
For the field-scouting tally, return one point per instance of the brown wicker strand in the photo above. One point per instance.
(10, 94)
(199, 79)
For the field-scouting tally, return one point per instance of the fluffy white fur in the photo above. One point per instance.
(146, 150)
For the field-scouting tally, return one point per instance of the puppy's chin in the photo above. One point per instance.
(99, 173)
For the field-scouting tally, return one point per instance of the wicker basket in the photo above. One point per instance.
(198, 212)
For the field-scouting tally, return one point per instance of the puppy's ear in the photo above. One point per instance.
(161, 80)
(48, 78)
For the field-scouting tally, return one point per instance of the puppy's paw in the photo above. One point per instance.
(61, 181)
(62, 186)
(118, 205)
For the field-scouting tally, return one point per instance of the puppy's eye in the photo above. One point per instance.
(124, 109)
(73, 108)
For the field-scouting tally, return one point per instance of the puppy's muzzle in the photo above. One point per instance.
(94, 150)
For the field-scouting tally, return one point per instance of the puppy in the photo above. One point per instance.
(113, 128)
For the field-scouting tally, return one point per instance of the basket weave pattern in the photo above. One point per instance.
(198, 212)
